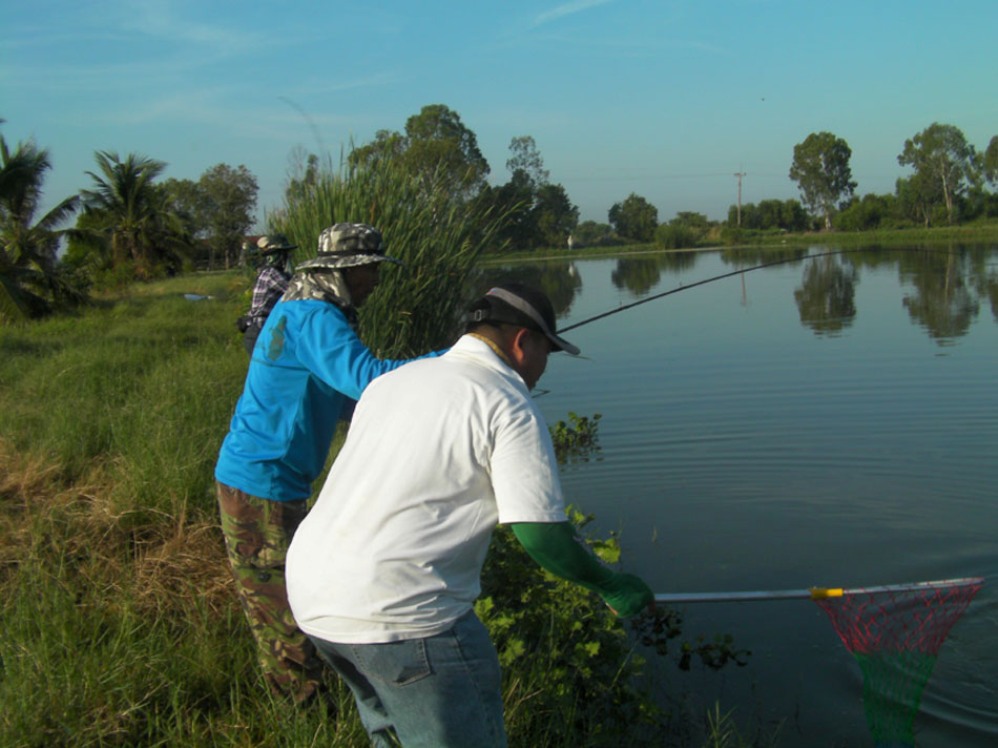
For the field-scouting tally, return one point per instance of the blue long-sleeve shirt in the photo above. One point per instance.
(308, 365)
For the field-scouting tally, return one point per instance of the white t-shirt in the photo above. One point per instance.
(438, 452)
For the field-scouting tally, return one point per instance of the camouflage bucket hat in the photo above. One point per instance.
(347, 245)
(272, 243)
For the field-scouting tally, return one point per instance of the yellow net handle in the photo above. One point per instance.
(822, 593)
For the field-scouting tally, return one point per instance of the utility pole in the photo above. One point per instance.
(740, 174)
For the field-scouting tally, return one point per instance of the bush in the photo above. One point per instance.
(570, 668)
(674, 236)
(593, 234)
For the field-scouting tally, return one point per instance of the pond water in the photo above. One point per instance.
(831, 421)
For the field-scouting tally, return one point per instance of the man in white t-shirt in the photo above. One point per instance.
(383, 573)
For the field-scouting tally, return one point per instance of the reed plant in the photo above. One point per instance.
(437, 237)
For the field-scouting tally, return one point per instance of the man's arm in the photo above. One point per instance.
(557, 549)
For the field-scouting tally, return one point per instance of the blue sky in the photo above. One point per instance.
(667, 99)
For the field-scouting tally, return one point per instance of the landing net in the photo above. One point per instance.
(895, 632)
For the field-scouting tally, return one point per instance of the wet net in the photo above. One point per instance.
(895, 632)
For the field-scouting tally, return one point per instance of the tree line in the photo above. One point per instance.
(131, 226)
(947, 184)
(128, 227)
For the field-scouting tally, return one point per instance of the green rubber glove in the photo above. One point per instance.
(628, 595)
(557, 549)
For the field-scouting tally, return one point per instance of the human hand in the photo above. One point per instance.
(629, 596)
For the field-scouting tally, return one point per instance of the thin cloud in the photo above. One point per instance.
(326, 87)
(566, 9)
(205, 106)
(153, 46)
(165, 20)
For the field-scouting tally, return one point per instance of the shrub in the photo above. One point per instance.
(676, 236)
(571, 670)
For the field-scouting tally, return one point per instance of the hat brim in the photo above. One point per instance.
(523, 312)
(272, 250)
(560, 344)
(347, 261)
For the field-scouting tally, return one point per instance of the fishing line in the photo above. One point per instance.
(308, 121)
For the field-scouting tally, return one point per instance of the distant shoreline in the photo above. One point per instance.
(972, 232)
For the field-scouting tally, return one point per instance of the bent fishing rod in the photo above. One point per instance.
(687, 287)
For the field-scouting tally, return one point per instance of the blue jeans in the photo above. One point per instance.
(443, 691)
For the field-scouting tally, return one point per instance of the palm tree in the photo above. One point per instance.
(127, 209)
(31, 279)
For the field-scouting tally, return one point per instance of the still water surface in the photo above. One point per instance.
(828, 422)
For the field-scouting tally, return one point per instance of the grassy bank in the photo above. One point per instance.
(969, 233)
(119, 624)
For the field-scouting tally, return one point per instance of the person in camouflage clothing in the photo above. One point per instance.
(257, 533)
(306, 372)
(271, 283)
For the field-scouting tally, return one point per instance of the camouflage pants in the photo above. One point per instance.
(257, 534)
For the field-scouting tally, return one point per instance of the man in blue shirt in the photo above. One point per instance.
(306, 372)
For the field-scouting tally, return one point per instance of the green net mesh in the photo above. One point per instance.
(895, 634)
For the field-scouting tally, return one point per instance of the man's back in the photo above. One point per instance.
(438, 452)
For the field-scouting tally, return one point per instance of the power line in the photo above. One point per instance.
(638, 177)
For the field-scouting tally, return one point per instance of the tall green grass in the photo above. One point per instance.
(120, 626)
(418, 306)
(139, 387)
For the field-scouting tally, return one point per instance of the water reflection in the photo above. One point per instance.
(942, 288)
(559, 280)
(943, 299)
(743, 257)
(826, 298)
(639, 275)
